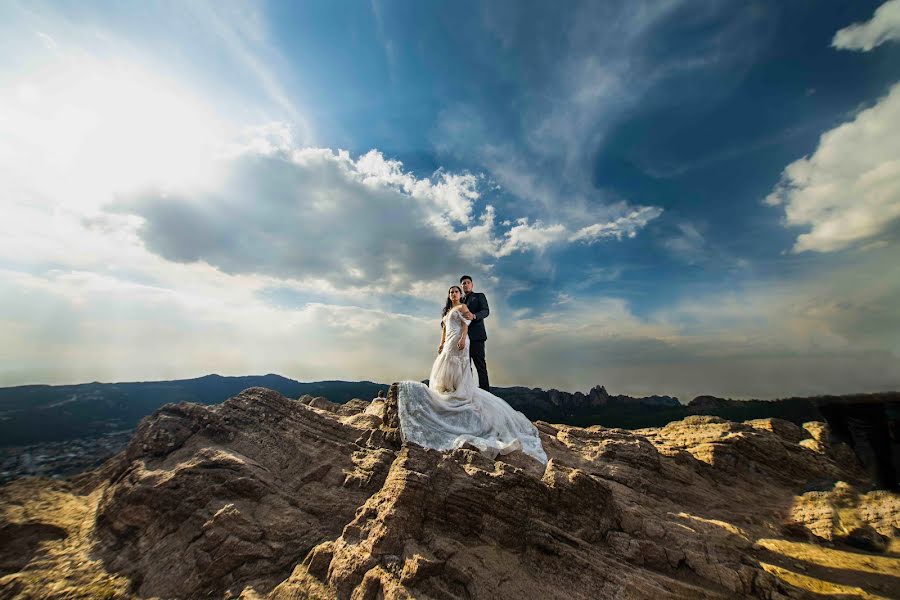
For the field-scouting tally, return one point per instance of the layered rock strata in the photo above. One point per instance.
(269, 497)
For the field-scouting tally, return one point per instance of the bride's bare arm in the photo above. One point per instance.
(462, 336)
(443, 335)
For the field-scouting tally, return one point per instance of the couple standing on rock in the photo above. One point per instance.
(473, 307)
(452, 410)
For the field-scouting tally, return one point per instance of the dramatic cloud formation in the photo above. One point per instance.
(313, 213)
(300, 213)
(848, 191)
(176, 200)
(883, 27)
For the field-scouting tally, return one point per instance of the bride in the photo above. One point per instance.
(452, 410)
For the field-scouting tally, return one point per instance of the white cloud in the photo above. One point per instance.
(531, 236)
(562, 298)
(586, 214)
(590, 68)
(354, 243)
(625, 226)
(243, 30)
(594, 275)
(77, 327)
(884, 26)
(834, 334)
(451, 195)
(47, 40)
(848, 191)
(316, 213)
(688, 244)
(832, 331)
(311, 213)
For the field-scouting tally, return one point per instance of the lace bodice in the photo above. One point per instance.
(453, 322)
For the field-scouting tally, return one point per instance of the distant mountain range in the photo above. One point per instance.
(42, 413)
(595, 407)
(598, 407)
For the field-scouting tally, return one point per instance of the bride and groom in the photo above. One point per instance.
(457, 407)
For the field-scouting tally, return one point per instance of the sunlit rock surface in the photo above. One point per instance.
(270, 497)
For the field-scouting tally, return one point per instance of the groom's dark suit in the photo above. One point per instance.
(478, 305)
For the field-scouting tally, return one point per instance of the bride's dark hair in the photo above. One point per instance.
(449, 304)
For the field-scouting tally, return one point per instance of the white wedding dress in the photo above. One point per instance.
(452, 410)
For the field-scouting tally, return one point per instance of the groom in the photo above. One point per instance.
(478, 306)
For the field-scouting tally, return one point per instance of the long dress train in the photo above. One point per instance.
(452, 410)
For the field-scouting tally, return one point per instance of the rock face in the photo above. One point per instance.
(269, 497)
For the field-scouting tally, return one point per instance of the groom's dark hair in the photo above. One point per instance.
(464, 277)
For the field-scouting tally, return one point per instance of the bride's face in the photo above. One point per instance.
(454, 294)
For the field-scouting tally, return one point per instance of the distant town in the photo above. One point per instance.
(59, 460)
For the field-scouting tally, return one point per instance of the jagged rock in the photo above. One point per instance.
(784, 429)
(842, 515)
(262, 480)
(268, 497)
(319, 402)
(353, 407)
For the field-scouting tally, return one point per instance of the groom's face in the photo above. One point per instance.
(467, 286)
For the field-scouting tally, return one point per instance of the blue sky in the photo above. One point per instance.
(663, 197)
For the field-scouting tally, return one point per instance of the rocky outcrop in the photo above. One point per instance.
(209, 499)
(842, 514)
(269, 497)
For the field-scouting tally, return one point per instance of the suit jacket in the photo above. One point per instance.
(478, 305)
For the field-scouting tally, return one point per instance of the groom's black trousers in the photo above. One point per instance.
(476, 351)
